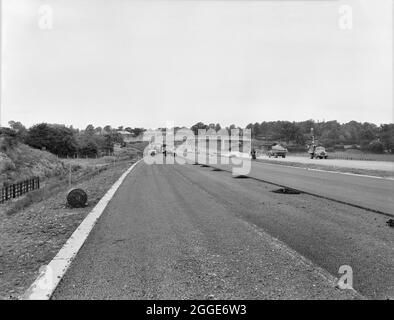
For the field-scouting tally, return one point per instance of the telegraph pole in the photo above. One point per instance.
(313, 136)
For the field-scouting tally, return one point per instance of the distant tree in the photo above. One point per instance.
(256, 129)
(369, 131)
(352, 132)
(137, 131)
(20, 130)
(107, 128)
(107, 144)
(387, 136)
(197, 126)
(376, 147)
(218, 127)
(116, 137)
(98, 130)
(88, 147)
(329, 133)
(307, 125)
(289, 131)
(8, 138)
(57, 139)
(90, 129)
(16, 125)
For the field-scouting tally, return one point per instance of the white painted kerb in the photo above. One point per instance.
(50, 275)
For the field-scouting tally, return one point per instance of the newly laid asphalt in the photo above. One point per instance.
(363, 191)
(192, 232)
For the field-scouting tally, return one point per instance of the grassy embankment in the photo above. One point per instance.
(19, 162)
(34, 227)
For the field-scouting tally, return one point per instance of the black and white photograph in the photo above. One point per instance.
(196, 155)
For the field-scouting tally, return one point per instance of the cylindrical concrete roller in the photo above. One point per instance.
(77, 198)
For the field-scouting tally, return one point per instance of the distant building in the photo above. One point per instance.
(129, 137)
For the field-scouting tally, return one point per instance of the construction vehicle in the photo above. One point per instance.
(277, 151)
(317, 152)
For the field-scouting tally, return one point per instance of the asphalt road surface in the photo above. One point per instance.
(366, 192)
(190, 232)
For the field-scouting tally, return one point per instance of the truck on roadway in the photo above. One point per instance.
(318, 152)
(277, 151)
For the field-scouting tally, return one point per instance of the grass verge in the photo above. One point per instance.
(33, 233)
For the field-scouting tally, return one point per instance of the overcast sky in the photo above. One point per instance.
(142, 63)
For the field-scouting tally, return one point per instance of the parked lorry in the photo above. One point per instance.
(277, 151)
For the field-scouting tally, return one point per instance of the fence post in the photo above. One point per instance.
(18, 189)
(69, 178)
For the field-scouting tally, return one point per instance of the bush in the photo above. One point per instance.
(376, 147)
(56, 139)
(8, 139)
(6, 163)
(88, 148)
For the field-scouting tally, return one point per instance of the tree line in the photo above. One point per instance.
(332, 134)
(95, 141)
(67, 141)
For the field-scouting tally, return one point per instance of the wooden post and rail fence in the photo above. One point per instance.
(18, 189)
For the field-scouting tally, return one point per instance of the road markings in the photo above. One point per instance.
(50, 275)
